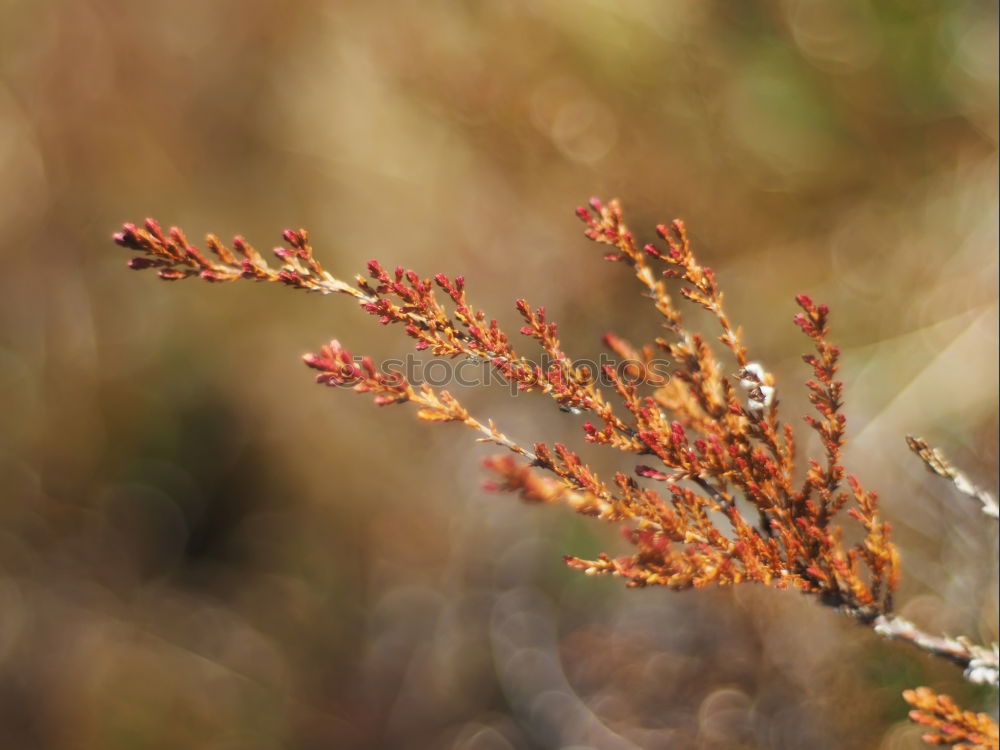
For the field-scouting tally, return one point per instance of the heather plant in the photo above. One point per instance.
(716, 494)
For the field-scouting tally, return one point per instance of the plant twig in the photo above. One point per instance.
(936, 462)
(980, 664)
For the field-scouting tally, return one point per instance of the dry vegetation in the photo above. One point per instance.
(734, 511)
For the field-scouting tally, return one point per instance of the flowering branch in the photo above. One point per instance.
(732, 509)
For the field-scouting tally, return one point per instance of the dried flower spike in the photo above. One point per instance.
(709, 495)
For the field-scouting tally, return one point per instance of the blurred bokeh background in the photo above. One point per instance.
(199, 549)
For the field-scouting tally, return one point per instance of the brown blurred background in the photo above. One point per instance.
(199, 549)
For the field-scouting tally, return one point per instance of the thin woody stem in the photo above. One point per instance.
(980, 664)
(937, 463)
(724, 501)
